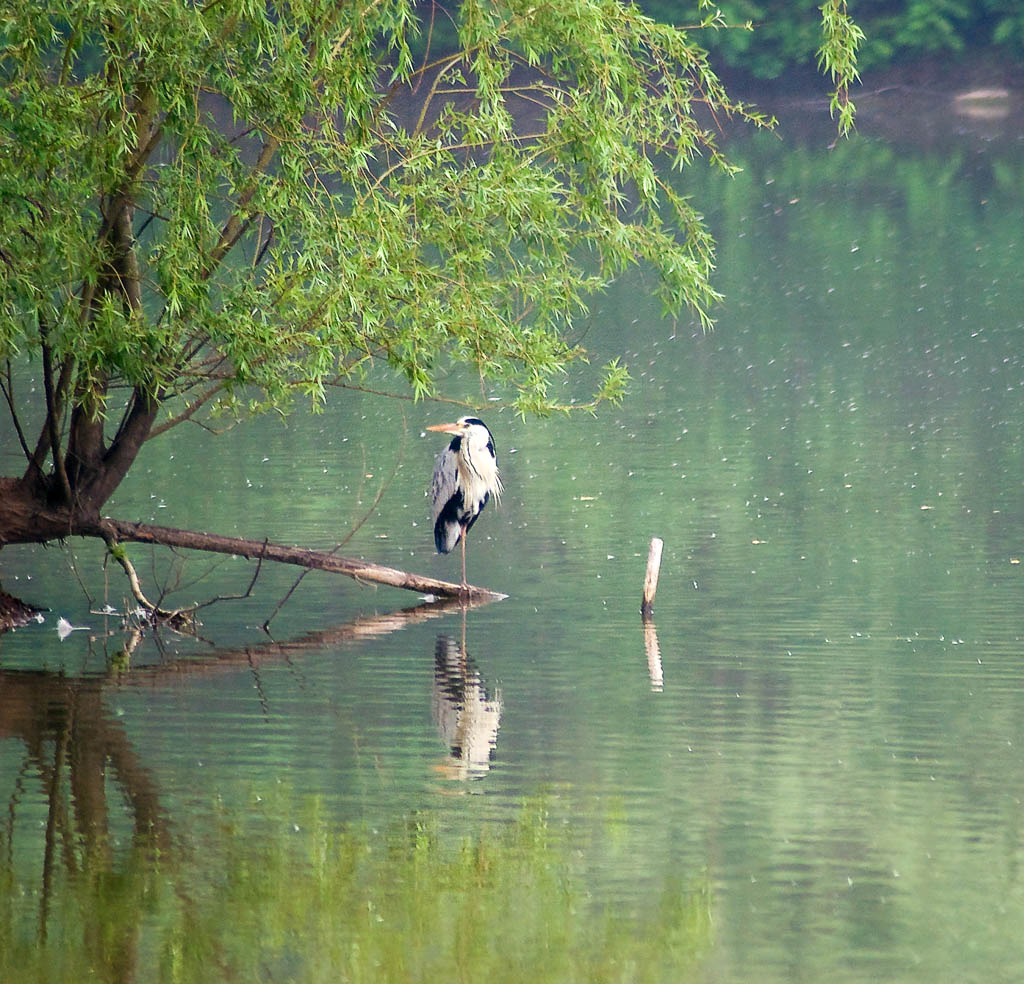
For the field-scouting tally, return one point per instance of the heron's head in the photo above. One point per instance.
(473, 447)
(473, 434)
(466, 427)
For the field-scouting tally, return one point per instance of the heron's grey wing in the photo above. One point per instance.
(445, 481)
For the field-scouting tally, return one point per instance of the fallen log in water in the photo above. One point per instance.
(360, 570)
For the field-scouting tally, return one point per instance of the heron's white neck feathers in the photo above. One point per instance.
(478, 466)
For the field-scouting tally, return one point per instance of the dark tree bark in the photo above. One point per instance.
(14, 612)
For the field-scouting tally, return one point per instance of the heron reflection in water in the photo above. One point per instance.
(465, 714)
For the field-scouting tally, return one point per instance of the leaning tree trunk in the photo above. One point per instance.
(360, 570)
(27, 518)
(29, 514)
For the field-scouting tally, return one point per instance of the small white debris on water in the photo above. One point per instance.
(65, 628)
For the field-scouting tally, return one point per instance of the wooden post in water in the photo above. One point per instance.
(651, 578)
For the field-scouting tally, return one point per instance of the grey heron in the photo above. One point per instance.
(465, 477)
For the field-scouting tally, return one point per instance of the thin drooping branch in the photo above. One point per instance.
(117, 552)
(235, 597)
(351, 533)
(8, 390)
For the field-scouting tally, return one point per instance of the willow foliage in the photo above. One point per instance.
(234, 202)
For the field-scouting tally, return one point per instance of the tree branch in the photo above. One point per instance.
(188, 412)
(360, 570)
(52, 412)
(118, 553)
(236, 226)
(8, 389)
(34, 472)
(118, 459)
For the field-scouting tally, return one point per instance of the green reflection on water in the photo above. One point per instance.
(279, 893)
(838, 474)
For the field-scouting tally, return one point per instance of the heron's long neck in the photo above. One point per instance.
(479, 471)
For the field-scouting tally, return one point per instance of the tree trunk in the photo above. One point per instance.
(27, 515)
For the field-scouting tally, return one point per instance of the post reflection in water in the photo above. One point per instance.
(465, 714)
(654, 670)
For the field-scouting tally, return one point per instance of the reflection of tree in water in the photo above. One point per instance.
(465, 714)
(78, 760)
(85, 844)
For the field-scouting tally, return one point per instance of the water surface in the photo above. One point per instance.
(822, 730)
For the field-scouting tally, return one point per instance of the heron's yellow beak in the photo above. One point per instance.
(447, 428)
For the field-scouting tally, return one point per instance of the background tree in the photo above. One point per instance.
(786, 33)
(230, 206)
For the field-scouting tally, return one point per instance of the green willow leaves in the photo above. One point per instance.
(229, 204)
(838, 57)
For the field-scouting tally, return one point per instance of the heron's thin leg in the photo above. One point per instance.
(463, 538)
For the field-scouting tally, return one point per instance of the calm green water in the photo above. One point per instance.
(821, 736)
